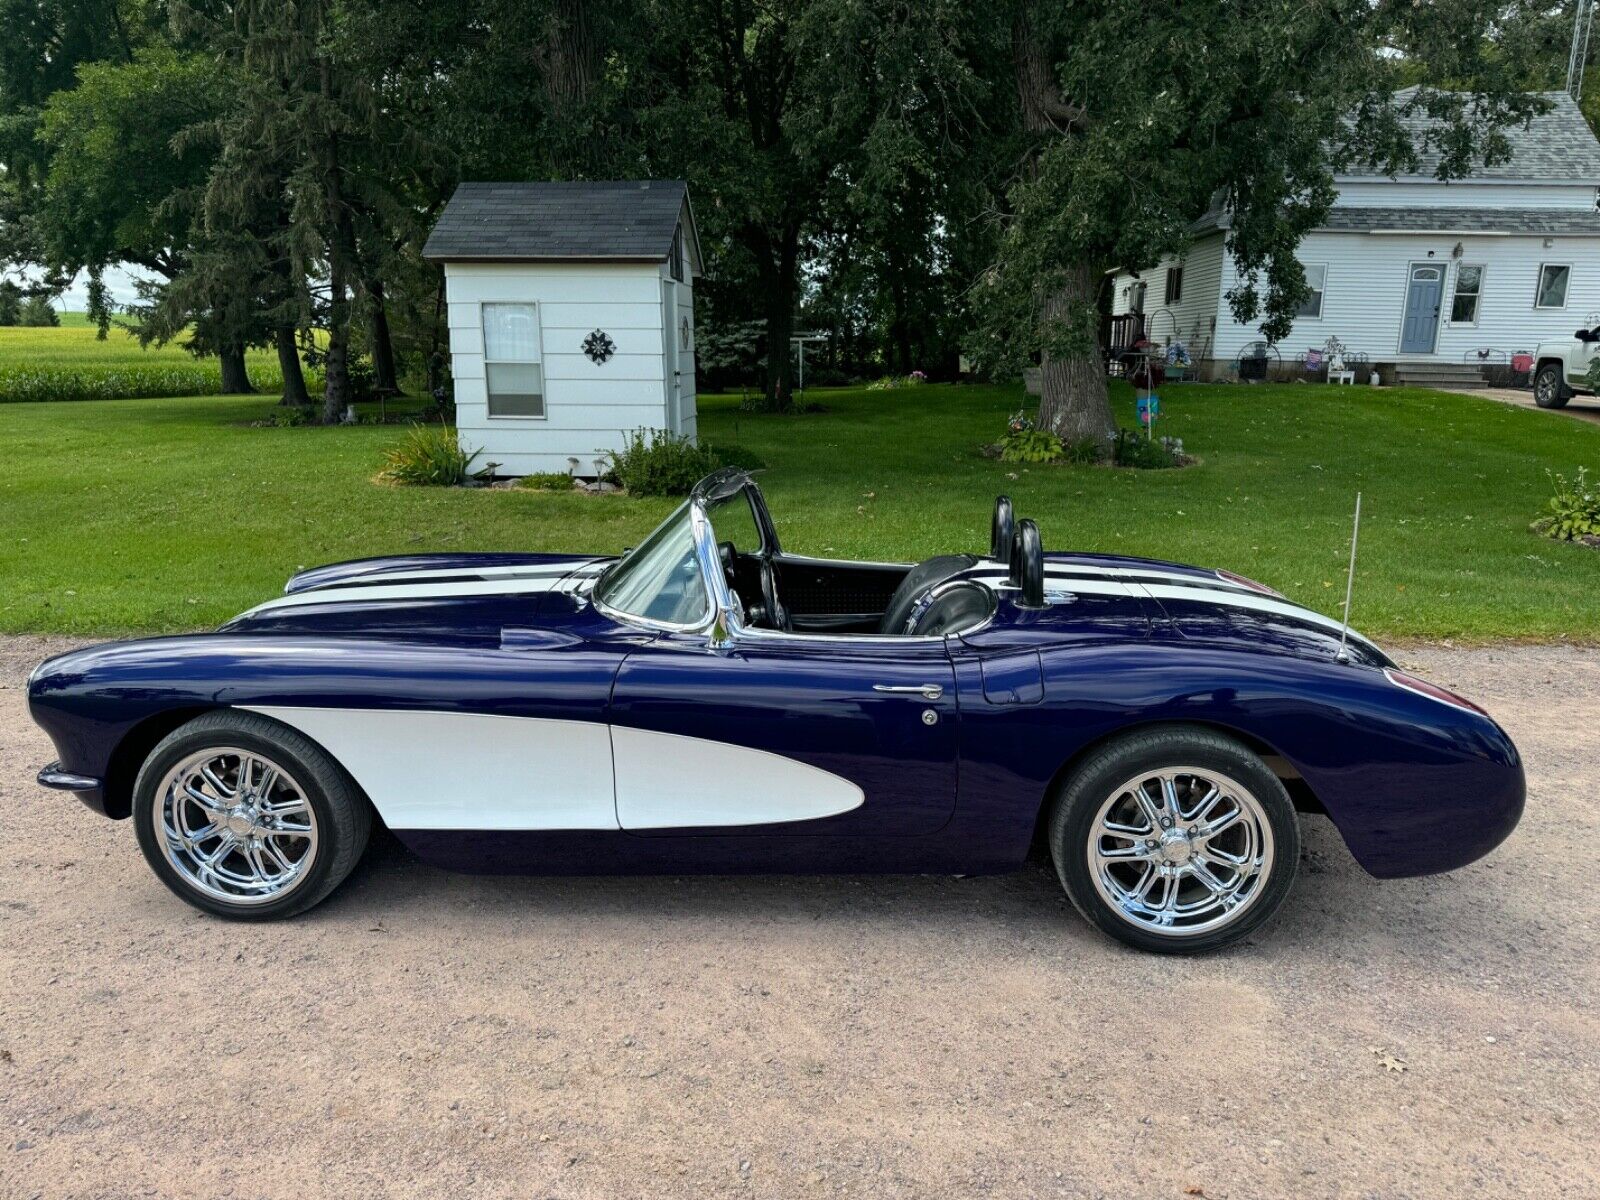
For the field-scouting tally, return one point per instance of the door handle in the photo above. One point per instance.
(928, 691)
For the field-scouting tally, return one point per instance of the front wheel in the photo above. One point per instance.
(246, 818)
(1175, 840)
(1549, 388)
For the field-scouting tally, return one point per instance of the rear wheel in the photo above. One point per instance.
(245, 818)
(1175, 840)
(1549, 388)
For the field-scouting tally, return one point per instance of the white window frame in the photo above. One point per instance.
(538, 342)
(1174, 285)
(1477, 303)
(1321, 293)
(1538, 287)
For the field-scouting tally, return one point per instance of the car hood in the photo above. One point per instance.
(433, 597)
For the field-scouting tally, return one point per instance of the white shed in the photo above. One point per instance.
(571, 309)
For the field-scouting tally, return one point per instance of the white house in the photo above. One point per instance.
(571, 310)
(1421, 278)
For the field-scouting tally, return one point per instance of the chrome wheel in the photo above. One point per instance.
(235, 825)
(1180, 851)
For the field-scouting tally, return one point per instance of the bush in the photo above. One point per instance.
(39, 313)
(290, 416)
(546, 481)
(658, 463)
(890, 382)
(1030, 446)
(1132, 449)
(429, 457)
(1573, 513)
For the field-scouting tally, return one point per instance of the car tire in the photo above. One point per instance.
(1550, 389)
(245, 818)
(1215, 876)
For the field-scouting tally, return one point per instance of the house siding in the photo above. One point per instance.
(1364, 295)
(1421, 193)
(589, 407)
(1192, 320)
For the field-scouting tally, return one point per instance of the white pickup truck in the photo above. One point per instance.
(1561, 368)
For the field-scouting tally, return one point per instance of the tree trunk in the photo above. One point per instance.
(779, 285)
(294, 377)
(235, 379)
(1073, 403)
(336, 394)
(384, 376)
(571, 55)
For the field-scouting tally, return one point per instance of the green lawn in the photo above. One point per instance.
(172, 514)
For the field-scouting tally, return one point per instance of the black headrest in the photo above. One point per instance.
(1003, 529)
(1027, 564)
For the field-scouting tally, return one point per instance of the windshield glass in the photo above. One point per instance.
(659, 579)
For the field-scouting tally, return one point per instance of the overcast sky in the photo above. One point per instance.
(119, 281)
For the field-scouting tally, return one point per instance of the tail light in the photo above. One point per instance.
(1242, 581)
(1432, 691)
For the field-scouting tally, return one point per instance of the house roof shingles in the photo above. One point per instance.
(1557, 145)
(625, 219)
(1453, 219)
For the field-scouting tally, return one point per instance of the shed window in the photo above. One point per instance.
(677, 253)
(512, 363)
(1174, 285)
(1316, 280)
(1553, 279)
(1469, 287)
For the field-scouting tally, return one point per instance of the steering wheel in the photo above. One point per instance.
(775, 614)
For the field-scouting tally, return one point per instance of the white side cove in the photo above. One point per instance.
(446, 770)
(666, 781)
(442, 770)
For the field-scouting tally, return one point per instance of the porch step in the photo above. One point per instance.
(1439, 375)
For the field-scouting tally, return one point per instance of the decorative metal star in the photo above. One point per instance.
(599, 346)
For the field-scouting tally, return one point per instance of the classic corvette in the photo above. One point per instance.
(709, 703)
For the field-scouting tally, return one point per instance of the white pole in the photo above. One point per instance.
(1350, 584)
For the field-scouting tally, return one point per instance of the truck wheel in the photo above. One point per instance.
(1549, 388)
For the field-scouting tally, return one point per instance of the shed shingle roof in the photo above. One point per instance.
(625, 219)
(1559, 145)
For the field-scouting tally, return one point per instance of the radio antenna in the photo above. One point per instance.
(1349, 586)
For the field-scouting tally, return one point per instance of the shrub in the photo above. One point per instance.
(1573, 512)
(546, 481)
(890, 382)
(1084, 452)
(1030, 446)
(290, 416)
(38, 312)
(1132, 449)
(655, 462)
(429, 457)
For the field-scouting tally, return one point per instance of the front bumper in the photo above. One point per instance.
(85, 787)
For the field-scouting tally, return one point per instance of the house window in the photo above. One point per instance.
(1316, 280)
(677, 253)
(1553, 280)
(1469, 287)
(1174, 285)
(512, 364)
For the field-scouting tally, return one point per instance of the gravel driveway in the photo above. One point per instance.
(431, 1035)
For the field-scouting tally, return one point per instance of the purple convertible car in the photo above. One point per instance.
(709, 703)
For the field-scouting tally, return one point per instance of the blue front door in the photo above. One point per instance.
(1420, 326)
